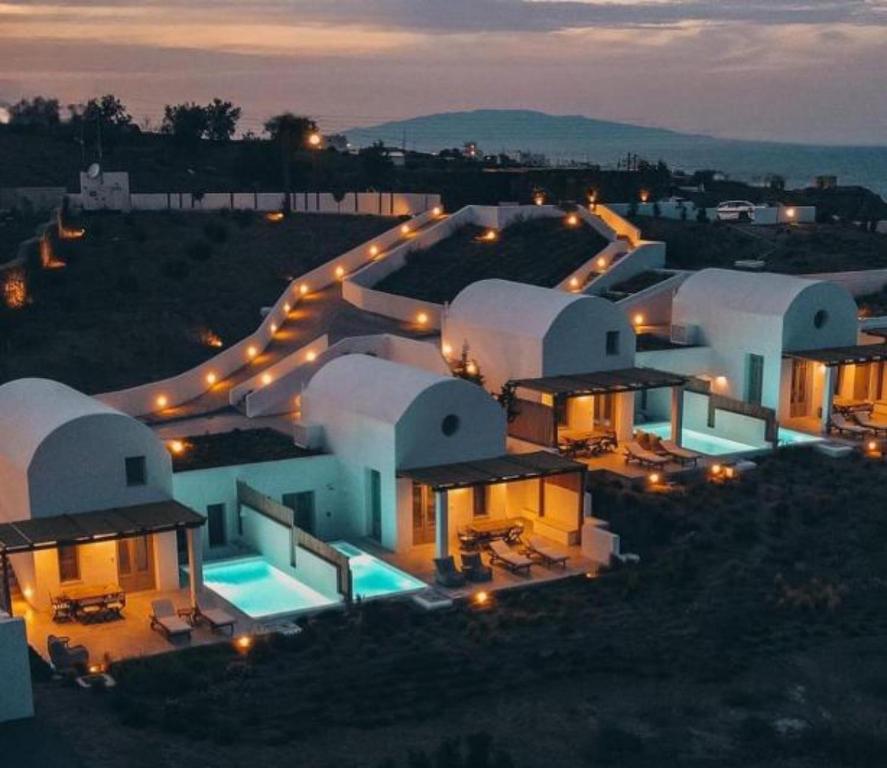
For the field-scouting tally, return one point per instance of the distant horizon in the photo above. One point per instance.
(786, 72)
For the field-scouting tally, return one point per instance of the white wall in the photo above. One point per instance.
(273, 541)
(199, 488)
(16, 697)
(81, 466)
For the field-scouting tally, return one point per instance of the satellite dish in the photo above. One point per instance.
(94, 171)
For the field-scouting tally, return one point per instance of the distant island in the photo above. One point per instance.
(575, 138)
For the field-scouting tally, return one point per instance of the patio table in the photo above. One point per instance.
(482, 532)
(95, 602)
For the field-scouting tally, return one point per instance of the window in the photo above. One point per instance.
(820, 318)
(480, 507)
(215, 516)
(69, 563)
(612, 342)
(302, 504)
(136, 473)
(450, 424)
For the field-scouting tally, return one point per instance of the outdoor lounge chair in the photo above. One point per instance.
(548, 555)
(843, 426)
(679, 454)
(634, 452)
(165, 618)
(501, 554)
(446, 574)
(217, 619)
(65, 657)
(864, 420)
(474, 569)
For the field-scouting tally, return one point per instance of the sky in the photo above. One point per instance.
(812, 71)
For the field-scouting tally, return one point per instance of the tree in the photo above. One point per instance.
(38, 114)
(291, 133)
(221, 120)
(108, 110)
(186, 122)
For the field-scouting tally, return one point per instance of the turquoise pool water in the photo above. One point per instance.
(372, 577)
(715, 445)
(259, 589)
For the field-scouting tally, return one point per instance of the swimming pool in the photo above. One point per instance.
(372, 577)
(715, 445)
(260, 590)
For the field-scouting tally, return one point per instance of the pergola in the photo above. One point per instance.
(501, 469)
(597, 383)
(835, 357)
(56, 531)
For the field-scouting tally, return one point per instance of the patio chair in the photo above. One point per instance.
(165, 619)
(62, 610)
(843, 426)
(635, 453)
(501, 554)
(66, 657)
(446, 574)
(217, 619)
(548, 555)
(474, 569)
(864, 420)
(679, 454)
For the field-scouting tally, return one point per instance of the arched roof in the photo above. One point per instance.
(755, 293)
(32, 409)
(373, 387)
(517, 308)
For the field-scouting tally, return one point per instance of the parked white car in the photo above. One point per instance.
(733, 210)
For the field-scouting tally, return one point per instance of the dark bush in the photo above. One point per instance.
(199, 250)
(40, 669)
(216, 232)
(175, 269)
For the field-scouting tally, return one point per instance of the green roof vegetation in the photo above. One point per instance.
(145, 295)
(537, 251)
(238, 446)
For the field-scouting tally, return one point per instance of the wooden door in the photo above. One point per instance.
(135, 564)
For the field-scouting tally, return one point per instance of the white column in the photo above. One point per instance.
(677, 414)
(828, 395)
(441, 524)
(623, 415)
(195, 563)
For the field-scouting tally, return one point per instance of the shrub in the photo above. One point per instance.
(175, 269)
(40, 670)
(199, 250)
(216, 232)
(702, 215)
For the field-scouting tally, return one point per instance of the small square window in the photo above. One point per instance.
(136, 472)
(612, 342)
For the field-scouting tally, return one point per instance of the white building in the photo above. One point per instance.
(89, 491)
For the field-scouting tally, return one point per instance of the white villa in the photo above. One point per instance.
(359, 468)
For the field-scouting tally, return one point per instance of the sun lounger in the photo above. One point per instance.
(634, 453)
(844, 426)
(446, 574)
(501, 554)
(217, 619)
(474, 569)
(165, 618)
(681, 455)
(864, 421)
(550, 556)
(65, 657)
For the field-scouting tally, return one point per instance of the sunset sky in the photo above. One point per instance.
(792, 70)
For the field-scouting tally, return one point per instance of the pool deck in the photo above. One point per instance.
(419, 562)
(132, 635)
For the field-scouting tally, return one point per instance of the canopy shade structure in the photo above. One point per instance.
(859, 353)
(603, 382)
(101, 525)
(511, 466)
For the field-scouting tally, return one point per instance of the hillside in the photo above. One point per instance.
(579, 138)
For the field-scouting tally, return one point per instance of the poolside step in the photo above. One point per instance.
(432, 600)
